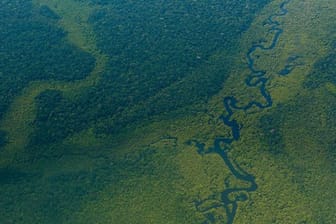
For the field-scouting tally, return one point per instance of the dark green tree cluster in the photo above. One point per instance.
(161, 51)
(32, 47)
(58, 117)
(3, 138)
(163, 56)
(271, 125)
(324, 71)
(313, 109)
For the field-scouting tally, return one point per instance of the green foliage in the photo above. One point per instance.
(309, 125)
(166, 59)
(47, 12)
(11, 176)
(271, 124)
(57, 117)
(324, 71)
(163, 56)
(46, 132)
(62, 191)
(3, 138)
(155, 44)
(34, 48)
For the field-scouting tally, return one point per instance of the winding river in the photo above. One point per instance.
(221, 145)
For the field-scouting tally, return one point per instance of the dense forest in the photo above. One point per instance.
(136, 112)
(156, 65)
(34, 48)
